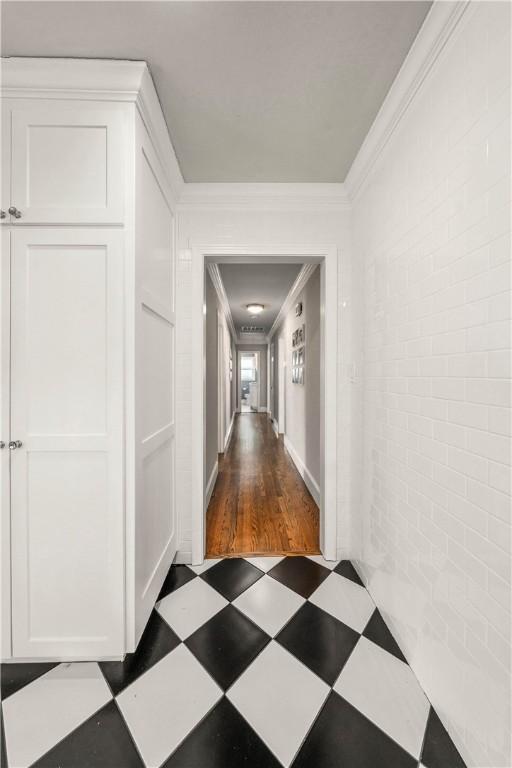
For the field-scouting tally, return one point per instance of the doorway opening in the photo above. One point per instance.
(268, 473)
(249, 383)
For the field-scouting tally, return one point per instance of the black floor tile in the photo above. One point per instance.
(16, 676)
(232, 576)
(320, 641)
(178, 576)
(223, 740)
(300, 574)
(227, 644)
(439, 751)
(377, 631)
(346, 569)
(103, 741)
(157, 641)
(342, 736)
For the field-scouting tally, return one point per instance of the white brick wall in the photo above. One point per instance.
(431, 228)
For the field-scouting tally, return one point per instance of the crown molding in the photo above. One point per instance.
(299, 284)
(438, 27)
(215, 275)
(96, 80)
(263, 197)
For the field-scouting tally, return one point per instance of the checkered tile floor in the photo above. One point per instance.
(257, 662)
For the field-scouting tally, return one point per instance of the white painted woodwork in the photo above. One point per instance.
(5, 162)
(5, 518)
(155, 529)
(66, 162)
(67, 409)
(88, 523)
(281, 410)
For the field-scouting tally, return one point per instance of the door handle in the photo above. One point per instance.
(15, 444)
(14, 212)
(2, 444)
(2, 214)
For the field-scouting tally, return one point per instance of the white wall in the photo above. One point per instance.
(302, 402)
(431, 225)
(250, 225)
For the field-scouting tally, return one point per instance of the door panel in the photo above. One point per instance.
(67, 409)
(5, 163)
(67, 164)
(154, 541)
(5, 520)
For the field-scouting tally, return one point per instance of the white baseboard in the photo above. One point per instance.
(303, 471)
(183, 557)
(229, 433)
(211, 484)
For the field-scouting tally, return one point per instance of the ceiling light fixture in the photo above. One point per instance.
(255, 309)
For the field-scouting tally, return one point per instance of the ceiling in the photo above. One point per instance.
(267, 284)
(251, 91)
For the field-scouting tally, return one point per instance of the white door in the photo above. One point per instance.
(221, 385)
(153, 540)
(5, 519)
(67, 163)
(67, 413)
(5, 164)
(271, 406)
(281, 358)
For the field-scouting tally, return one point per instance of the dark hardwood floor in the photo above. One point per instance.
(260, 503)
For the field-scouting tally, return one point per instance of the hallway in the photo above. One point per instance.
(278, 662)
(260, 504)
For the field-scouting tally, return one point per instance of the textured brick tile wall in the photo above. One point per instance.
(431, 227)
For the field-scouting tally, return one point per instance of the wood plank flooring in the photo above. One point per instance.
(260, 504)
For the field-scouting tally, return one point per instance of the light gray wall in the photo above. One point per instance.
(212, 382)
(302, 402)
(212, 378)
(262, 349)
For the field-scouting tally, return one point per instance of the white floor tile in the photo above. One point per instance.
(269, 604)
(42, 713)
(264, 563)
(344, 600)
(385, 690)
(279, 697)
(162, 706)
(204, 567)
(331, 564)
(190, 606)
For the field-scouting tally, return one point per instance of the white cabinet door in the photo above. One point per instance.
(5, 164)
(67, 409)
(67, 163)
(153, 533)
(5, 519)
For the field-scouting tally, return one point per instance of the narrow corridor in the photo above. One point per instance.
(260, 504)
(259, 662)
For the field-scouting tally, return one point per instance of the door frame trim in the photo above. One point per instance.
(239, 353)
(327, 256)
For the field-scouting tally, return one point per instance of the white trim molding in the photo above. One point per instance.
(327, 256)
(211, 484)
(439, 25)
(234, 196)
(215, 275)
(229, 433)
(303, 471)
(97, 80)
(300, 282)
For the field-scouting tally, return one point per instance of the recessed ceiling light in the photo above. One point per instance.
(255, 309)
